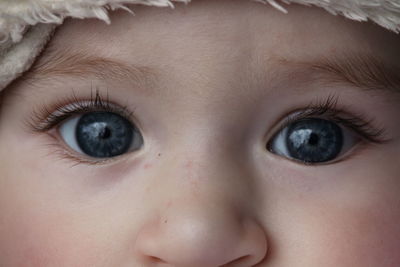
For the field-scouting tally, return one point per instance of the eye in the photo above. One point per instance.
(100, 134)
(312, 140)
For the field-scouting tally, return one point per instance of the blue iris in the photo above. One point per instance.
(314, 140)
(104, 134)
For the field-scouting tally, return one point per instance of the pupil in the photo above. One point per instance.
(105, 133)
(314, 139)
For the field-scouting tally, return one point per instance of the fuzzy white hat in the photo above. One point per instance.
(26, 25)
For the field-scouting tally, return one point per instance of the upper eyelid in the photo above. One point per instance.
(363, 126)
(46, 118)
(330, 109)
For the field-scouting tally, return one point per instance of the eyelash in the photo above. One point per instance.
(47, 117)
(44, 119)
(329, 109)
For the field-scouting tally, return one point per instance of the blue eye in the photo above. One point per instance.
(101, 134)
(312, 140)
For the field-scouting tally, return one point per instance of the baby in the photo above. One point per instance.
(218, 133)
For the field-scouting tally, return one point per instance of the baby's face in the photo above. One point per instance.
(222, 133)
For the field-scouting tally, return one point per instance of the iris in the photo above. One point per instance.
(104, 134)
(314, 140)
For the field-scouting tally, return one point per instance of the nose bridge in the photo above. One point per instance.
(210, 167)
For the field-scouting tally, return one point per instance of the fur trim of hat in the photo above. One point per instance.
(20, 44)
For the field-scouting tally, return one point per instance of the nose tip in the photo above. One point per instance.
(189, 239)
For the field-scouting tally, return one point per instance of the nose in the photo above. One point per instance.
(206, 227)
(195, 239)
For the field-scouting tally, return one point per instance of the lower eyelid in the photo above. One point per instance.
(60, 150)
(63, 152)
(353, 152)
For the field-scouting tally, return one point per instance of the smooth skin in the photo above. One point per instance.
(203, 190)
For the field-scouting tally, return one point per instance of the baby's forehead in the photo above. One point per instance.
(207, 27)
(207, 33)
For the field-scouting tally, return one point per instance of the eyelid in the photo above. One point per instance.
(60, 149)
(71, 149)
(48, 118)
(45, 118)
(346, 151)
(81, 107)
(329, 109)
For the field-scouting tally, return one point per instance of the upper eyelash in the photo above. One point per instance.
(330, 109)
(44, 119)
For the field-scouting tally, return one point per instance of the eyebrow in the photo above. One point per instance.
(55, 63)
(362, 70)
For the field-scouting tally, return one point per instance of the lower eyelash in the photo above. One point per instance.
(60, 152)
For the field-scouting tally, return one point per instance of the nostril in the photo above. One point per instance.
(239, 262)
(153, 259)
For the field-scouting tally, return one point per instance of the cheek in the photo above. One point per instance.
(49, 217)
(38, 228)
(32, 238)
(349, 237)
(352, 222)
